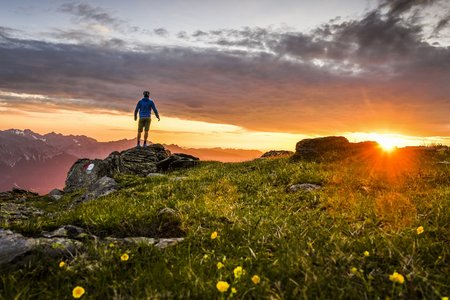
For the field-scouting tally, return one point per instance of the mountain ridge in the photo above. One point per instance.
(25, 152)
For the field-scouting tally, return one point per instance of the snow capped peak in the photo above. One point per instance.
(19, 132)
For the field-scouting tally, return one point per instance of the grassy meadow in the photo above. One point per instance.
(378, 228)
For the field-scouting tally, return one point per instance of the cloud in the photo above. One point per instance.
(358, 75)
(397, 7)
(88, 13)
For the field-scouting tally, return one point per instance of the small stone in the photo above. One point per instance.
(309, 187)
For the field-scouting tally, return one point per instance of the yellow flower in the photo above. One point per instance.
(256, 279)
(354, 270)
(111, 245)
(222, 286)
(77, 292)
(124, 257)
(214, 235)
(396, 277)
(366, 253)
(233, 290)
(62, 264)
(420, 230)
(220, 265)
(444, 298)
(238, 272)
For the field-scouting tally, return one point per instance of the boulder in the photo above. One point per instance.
(321, 148)
(277, 153)
(56, 194)
(102, 187)
(141, 161)
(12, 245)
(177, 161)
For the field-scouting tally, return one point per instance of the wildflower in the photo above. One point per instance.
(220, 265)
(234, 291)
(62, 264)
(354, 270)
(111, 245)
(222, 286)
(238, 272)
(366, 253)
(256, 279)
(444, 298)
(214, 235)
(224, 259)
(78, 291)
(396, 277)
(206, 257)
(419, 230)
(124, 257)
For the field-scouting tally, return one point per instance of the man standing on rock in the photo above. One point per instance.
(145, 107)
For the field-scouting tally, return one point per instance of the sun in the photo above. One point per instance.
(386, 143)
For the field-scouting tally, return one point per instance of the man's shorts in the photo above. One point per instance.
(144, 122)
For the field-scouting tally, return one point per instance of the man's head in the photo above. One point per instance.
(146, 93)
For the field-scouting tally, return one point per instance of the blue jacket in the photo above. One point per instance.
(145, 106)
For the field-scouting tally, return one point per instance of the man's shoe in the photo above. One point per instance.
(145, 145)
(138, 146)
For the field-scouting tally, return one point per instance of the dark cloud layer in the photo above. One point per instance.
(86, 12)
(360, 75)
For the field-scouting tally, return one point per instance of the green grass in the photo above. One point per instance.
(301, 245)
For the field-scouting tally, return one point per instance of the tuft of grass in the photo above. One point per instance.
(301, 245)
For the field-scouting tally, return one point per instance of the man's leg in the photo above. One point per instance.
(145, 137)
(139, 138)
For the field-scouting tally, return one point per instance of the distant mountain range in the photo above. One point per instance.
(40, 162)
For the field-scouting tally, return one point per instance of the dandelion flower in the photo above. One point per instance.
(238, 272)
(256, 279)
(222, 286)
(124, 257)
(419, 230)
(214, 235)
(354, 270)
(234, 291)
(444, 298)
(396, 277)
(62, 264)
(78, 291)
(220, 265)
(366, 253)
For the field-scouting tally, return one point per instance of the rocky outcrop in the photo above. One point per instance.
(277, 153)
(329, 148)
(102, 187)
(65, 241)
(17, 195)
(85, 173)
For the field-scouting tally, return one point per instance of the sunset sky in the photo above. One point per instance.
(247, 74)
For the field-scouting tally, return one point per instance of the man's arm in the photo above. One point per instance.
(136, 110)
(155, 110)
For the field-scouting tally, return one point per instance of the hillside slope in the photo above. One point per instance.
(252, 226)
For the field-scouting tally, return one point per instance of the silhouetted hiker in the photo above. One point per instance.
(144, 106)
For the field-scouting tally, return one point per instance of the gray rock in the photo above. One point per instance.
(10, 211)
(135, 161)
(12, 245)
(177, 161)
(309, 187)
(56, 194)
(17, 195)
(277, 153)
(161, 243)
(331, 148)
(102, 187)
(155, 175)
(68, 231)
(85, 172)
